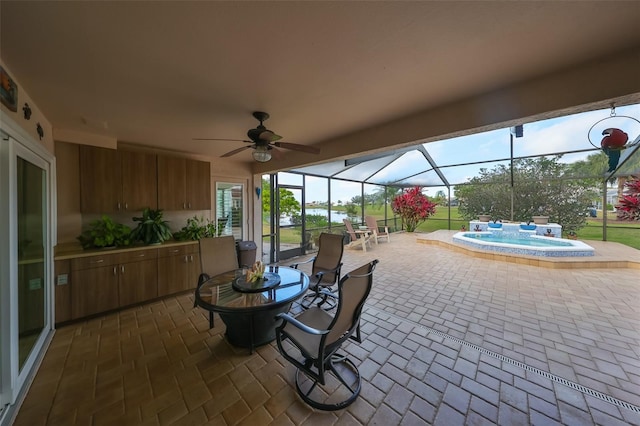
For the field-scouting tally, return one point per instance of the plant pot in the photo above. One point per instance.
(540, 220)
(484, 218)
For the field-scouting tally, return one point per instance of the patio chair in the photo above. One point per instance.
(357, 237)
(325, 271)
(217, 255)
(372, 224)
(316, 336)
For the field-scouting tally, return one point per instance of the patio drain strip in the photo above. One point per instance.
(557, 379)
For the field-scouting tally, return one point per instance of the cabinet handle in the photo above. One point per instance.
(189, 205)
(142, 255)
(174, 251)
(126, 206)
(114, 271)
(191, 258)
(96, 261)
(122, 269)
(118, 206)
(184, 206)
(186, 259)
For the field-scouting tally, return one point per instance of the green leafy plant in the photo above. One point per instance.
(104, 232)
(151, 228)
(196, 228)
(628, 207)
(413, 207)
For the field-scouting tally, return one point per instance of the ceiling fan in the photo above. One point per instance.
(263, 141)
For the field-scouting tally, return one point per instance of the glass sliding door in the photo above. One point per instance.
(31, 216)
(26, 258)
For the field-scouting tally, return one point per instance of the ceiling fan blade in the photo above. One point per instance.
(298, 147)
(214, 139)
(269, 136)
(235, 151)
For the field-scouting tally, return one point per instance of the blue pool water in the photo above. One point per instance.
(523, 243)
(508, 239)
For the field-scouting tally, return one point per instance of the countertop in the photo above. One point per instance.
(74, 250)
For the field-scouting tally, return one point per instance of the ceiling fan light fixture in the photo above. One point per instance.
(261, 154)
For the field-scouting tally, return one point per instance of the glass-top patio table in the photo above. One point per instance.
(249, 309)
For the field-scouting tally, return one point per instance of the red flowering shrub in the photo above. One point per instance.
(413, 207)
(628, 206)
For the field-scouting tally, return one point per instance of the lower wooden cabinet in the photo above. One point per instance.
(91, 285)
(178, 269)
(138, 278)
(94, 290)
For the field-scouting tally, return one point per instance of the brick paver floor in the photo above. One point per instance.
(449, 339)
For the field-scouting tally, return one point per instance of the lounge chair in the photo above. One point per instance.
(372, 224)
(360, 237)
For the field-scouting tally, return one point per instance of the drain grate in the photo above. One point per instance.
(557, 379)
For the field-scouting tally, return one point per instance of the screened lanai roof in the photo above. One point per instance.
(454, 161)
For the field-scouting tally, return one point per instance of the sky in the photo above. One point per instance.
(573, 132)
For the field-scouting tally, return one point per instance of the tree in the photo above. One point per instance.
(413, 207)
(287, 203)
(541, 187)
(440, 198)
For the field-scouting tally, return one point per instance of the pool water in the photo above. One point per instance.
(518, 244)
(529, 242)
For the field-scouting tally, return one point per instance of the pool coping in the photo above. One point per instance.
(608, 255)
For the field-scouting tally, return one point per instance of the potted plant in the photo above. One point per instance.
(196, 228)
(104, 232)
(540, 220)
(484, 217)
(151, 228)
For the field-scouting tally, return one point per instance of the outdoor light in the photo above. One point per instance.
(262, 154)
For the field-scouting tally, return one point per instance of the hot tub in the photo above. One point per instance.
(524, 243)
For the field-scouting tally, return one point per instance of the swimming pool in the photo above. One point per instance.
(533, 245)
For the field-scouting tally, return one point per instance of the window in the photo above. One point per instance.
(230, 209)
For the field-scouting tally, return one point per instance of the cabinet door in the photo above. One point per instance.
(198, 188)
(100, 180)
(139, 181)
(95, 290)
(172, 274)
(172, 183)
(138, 282)
(194, 270)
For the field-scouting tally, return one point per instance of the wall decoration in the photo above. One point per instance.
(40, 131)
(27, 111)
(8, 91)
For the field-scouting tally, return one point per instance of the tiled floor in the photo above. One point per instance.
(450, 339)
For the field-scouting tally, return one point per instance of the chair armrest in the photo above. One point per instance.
(302, 326)
(202, 278)
(295, 265)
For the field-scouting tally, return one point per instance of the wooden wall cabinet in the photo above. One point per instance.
(117, 180)
(183, 184)
(178, 269)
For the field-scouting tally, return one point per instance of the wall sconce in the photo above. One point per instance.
(40, 131)
(258, 191)
(26, 109)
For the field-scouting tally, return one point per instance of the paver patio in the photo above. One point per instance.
(449, 339)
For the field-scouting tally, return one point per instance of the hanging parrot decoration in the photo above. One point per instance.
(612, 144)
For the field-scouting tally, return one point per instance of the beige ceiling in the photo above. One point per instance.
(163, 73)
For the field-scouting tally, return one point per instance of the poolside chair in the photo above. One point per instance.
(357, 238)
(372, 224)
(316, 336)
(325, 271)
(217, 255)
